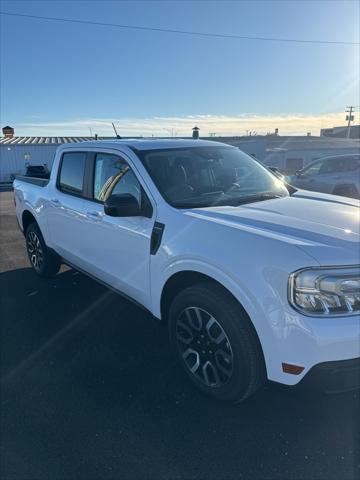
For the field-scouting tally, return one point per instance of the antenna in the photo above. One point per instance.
(116, 134)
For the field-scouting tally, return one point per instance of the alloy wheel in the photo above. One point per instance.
(35, 251)
(204, 347)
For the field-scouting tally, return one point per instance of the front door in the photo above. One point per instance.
(117, 249)
(308, 178)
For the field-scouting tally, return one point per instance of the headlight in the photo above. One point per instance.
(326, 291)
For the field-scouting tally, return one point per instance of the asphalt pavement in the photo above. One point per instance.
(89, 390)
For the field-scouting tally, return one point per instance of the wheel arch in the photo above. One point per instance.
(182, 273)
(185, 278)
(27, 218)
(182, 279)
(179, 281)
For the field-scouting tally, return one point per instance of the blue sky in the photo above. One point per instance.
(61, 78)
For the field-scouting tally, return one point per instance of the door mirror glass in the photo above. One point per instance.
(122, 205)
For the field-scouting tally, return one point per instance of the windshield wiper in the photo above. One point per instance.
(258, 198)
(228, 202)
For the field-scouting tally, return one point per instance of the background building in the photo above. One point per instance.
(16, 153)
(341, 132)
(288, 153)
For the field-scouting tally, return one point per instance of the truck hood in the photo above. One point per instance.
(326, 227)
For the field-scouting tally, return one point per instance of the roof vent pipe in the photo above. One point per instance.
(195, 132)
(8, 132)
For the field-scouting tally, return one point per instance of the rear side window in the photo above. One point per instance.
(335, 165)
(71, 179)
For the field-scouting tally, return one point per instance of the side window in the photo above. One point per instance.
(113, 176)
(71, 178)
(313, 169)
(336, 165)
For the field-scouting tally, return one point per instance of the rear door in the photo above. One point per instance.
(335, 171)
(66, 208)
(348, 173)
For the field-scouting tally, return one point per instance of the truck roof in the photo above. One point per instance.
(146, 143)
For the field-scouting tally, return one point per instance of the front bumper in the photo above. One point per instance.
(334, 377)
(308, 342)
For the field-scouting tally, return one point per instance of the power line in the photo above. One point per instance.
(181, 32)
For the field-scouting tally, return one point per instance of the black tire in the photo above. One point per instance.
(347, 191)
(239, 354)
(43, 261)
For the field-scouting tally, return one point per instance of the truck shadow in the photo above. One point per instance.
(79, 364)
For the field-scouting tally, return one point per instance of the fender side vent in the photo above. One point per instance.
(156, 237)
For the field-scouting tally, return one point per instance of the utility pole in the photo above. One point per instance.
(349, 118)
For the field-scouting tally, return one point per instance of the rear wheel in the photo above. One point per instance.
(43, 261)
(216, 343)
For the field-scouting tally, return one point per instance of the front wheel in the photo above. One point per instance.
(43, 261)
(216, 343)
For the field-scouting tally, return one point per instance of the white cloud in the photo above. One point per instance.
(295, 124)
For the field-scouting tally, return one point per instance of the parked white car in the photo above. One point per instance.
(255, 279)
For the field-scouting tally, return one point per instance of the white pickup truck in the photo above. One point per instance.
(256, 280)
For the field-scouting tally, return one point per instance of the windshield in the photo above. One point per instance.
(210, 176)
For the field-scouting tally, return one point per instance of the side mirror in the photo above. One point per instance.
(122, 205)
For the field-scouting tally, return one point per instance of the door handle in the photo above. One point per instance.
(94, 215)
(55, 202)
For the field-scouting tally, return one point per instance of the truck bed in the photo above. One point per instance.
(40, 182)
